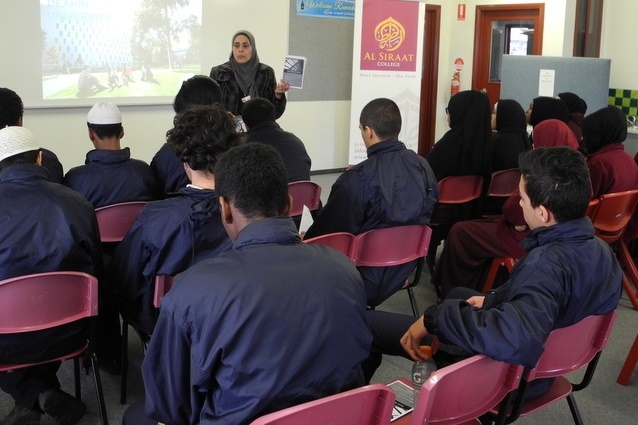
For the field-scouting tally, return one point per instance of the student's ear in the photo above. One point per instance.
(91, 135)
(288, 206)
(121, 133)
(544, 214)
(227, 215)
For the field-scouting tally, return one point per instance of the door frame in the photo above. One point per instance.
(429, 79)
(483, 35)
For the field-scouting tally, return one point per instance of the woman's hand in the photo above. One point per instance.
(281, 89)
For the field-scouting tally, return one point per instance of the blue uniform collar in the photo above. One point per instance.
(272, 230)
(580, 228)
(24, 172)
(104, 156)
(386, 146)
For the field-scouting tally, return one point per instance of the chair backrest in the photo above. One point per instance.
(571, 348)
(613, 214)
(341, 241)
(306, 193)
(460, 189)
(368, 405)
(504, 183)
(591, 208)
(163, 283)
(46, 300)
(465, 390)
(391, 246)
(116, 220)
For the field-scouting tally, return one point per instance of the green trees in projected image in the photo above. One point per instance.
(160, 39)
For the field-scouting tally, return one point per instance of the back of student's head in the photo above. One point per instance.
(200, 134)
(558, 179)
(18, 145)
(257, 111)
(383, 116)
(105, 119)
(253, 178)
(197, 90)
(11, 107)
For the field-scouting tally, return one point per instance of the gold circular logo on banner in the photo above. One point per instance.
(390, 34)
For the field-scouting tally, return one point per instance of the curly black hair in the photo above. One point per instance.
(200, 134)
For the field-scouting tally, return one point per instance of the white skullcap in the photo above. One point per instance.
(104, 113)
(15, 140)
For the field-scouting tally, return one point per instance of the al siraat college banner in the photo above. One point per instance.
(388, 54)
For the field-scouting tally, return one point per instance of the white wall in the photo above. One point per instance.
(618, 42)
(324, 126)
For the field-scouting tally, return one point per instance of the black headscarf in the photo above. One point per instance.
(545, 107)
(510, 116)
(574, 103)
(470, 115)
(604, 127)
(245, 73)
(511, 138)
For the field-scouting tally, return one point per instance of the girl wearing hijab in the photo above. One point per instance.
(508, 119)
(465, 148)
(577, 108)
(472, 245)
(611, 169)
(544, 107)
(243, 77)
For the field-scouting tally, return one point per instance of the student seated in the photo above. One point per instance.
(555, 285)
(171, 235)
(269, 324)
(110, 175)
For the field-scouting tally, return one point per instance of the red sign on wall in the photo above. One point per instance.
(389, 35)
(460, 12)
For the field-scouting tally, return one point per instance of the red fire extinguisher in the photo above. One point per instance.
(455, 86)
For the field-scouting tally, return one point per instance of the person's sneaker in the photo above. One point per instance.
(21, 416)
(62, 407)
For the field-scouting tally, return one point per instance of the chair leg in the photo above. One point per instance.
(630, 364)
(630, 276)
(76, 374)
(99, 390)
(124, 362)
(415, 309)
(573, 407)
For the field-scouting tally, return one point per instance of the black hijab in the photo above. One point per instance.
(545, 107)
(574, 103)
(604, 127)
(470, 118)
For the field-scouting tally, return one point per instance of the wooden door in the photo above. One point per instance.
(493, 37)
(429, 79)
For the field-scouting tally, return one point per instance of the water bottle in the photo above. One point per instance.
(421, 371)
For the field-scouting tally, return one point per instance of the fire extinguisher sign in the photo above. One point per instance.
(455, 85)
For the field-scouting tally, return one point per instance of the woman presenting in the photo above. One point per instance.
(243, 77)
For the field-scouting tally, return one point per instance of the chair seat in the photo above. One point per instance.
(8, 367)
(561, 389)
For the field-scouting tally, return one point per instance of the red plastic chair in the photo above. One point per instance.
(393, 246)
(566, 350)
(116, 220)
(611, 218)
(497, 263)
(460, 189)
(163, 284)
(48, 300)
(306, 193)
(368, 405)
(463, 391)
(341, 241)
(455, 190)
(504, 183)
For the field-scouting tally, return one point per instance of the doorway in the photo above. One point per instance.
(429, 79)
(515, 29)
